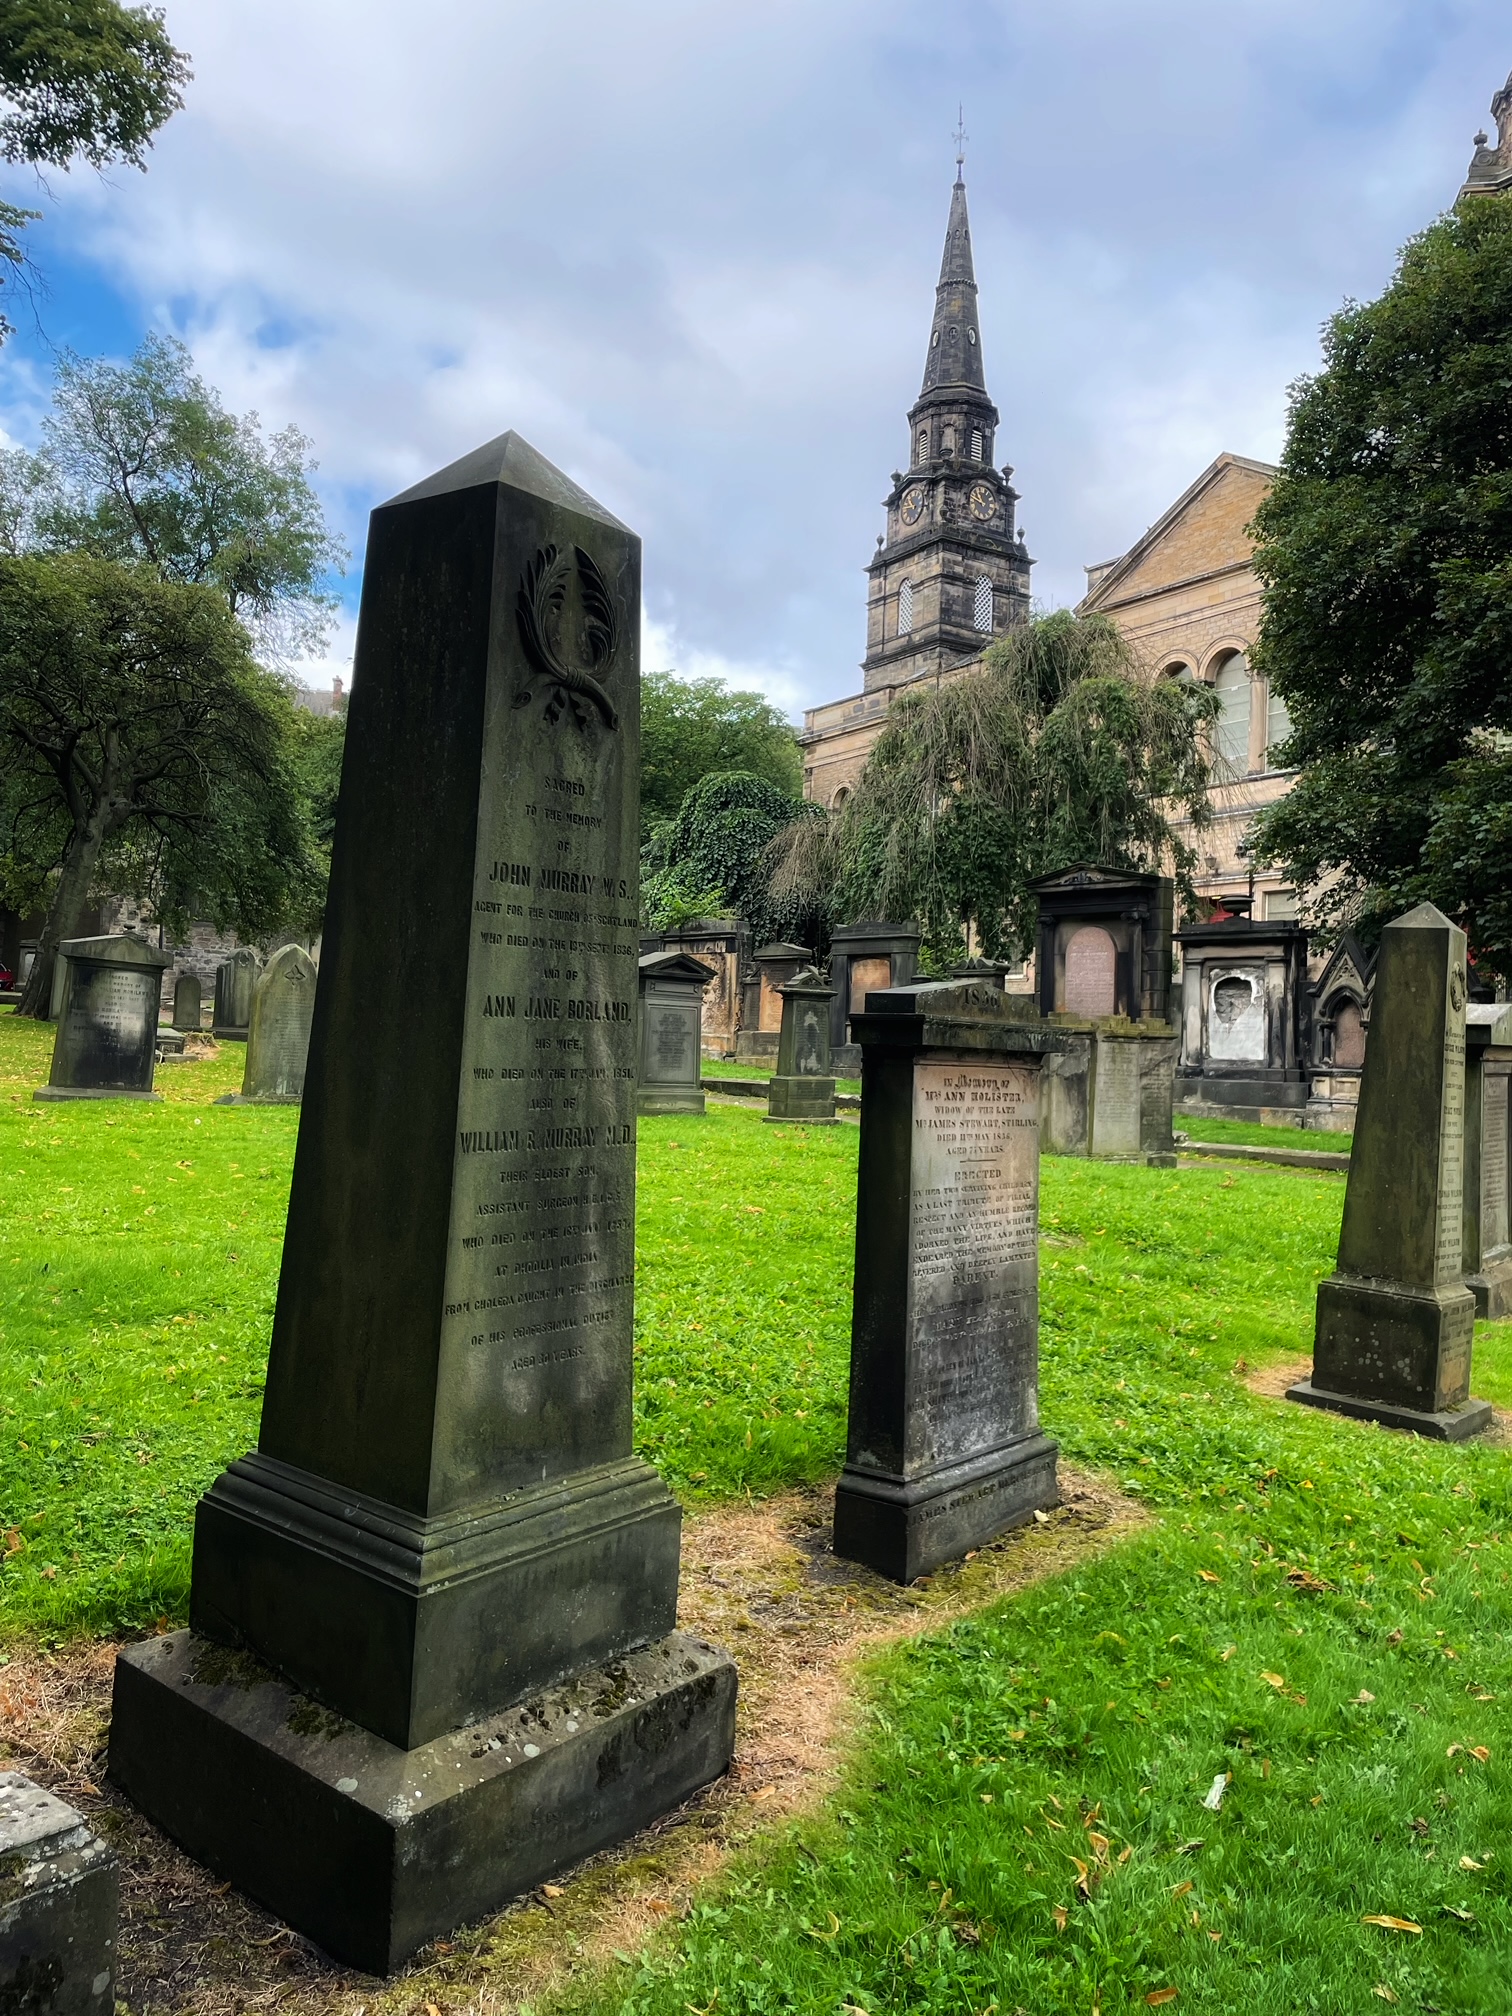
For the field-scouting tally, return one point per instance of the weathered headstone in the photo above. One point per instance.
(106, 1045)
(1133, 1083)
(278, 1041)
(1488, 1237)
(803, 1086)
(761, 1002)
(944, 1446)
(1395, 1320)
(235, 979)
(671, 1033)
(187, 1003)
(432, 1654)
(59, 1901)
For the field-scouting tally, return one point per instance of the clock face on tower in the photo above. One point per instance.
(912, 508)
(983, 502)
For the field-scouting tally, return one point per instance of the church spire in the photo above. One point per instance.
(955, 337)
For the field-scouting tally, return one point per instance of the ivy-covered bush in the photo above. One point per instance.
(712, 858)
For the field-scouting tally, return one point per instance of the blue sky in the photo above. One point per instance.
(689, 251)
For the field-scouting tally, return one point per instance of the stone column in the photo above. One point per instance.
(432, 1654)
(1395, 1320)
(1488, 1240)
(944, 1447)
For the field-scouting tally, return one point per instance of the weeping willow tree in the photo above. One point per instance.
(1058, 750)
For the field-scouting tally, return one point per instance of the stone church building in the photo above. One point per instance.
(951, 571)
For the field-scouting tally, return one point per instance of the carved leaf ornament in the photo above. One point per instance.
(572, 665)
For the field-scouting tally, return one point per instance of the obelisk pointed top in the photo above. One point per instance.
(508, 459)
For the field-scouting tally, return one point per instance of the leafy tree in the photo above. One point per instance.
(1386, 550)
(711, 857)
(1058, 750)
(141, 464)
(80, 80)
(142, 749)
(691, 728)
(318, 745)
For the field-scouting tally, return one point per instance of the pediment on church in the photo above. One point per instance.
(1203, 532)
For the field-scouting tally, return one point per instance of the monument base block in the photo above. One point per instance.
(371, 1850)
(664, 1099)
(394, 1619)
(1492, 1289)
(48, 1093)
(811, 1100)
(1452, 1424)
(905, 1528)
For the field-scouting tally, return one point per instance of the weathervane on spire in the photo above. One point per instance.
(961, 137)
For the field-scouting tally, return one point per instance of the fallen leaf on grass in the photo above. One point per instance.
(1453, 1911)
(1206, 1575)
(1228, 1653)
(1386, 1994)
(1480, 1753)
(762, 1792)
(1394, 1638)
(834, 1928)
(1060, 1914)
(1181, 1889)
(1390, 1924)
(1189, 1848)
(1157, 1996)
(1273, 1680)
(1469, 1862)
(551, 1890)
(658, 1906)
(1213, 1798)
(1362, 1699)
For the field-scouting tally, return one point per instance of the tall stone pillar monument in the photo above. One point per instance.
(432, 1653)
(1395, 1320)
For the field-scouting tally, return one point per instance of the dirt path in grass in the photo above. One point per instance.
(759, 1579)
(1271, 1381)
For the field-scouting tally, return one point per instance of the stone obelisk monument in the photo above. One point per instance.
(432, 1653)
(1395, 1320)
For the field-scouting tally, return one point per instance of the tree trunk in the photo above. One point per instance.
(64, 912)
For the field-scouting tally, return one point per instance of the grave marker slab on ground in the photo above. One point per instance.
(1395, 1320)
(59, 1901)
(433, 1654)
(803, 1086)
(944, 1446)
(106, 1045)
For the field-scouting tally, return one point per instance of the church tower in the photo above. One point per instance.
(951, 571)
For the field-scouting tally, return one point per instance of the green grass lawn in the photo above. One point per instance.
(1200, 1128)
(1319, 1612)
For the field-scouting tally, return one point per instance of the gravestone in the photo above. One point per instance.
(1488, 1237)
(761, 1007)
(187, 1003)
(1395, 1320)
(671, 1033)
(864, 957)
(802, 1088)
(944, 1447)
(1133, 1081)
(106, 1045)
(432, 1654)
(235, 979)
(278, 1041)
(59, 1903)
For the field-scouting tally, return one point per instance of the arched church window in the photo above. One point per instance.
(923, 454)
(983, 609)
(905, 608)
(1278, 724)
(977, 444)
(1231, 731)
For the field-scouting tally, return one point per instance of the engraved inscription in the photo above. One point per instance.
(1449, 1247)
(974, 1268)
(1493, 1162)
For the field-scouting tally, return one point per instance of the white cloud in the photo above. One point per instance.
(689, 251)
